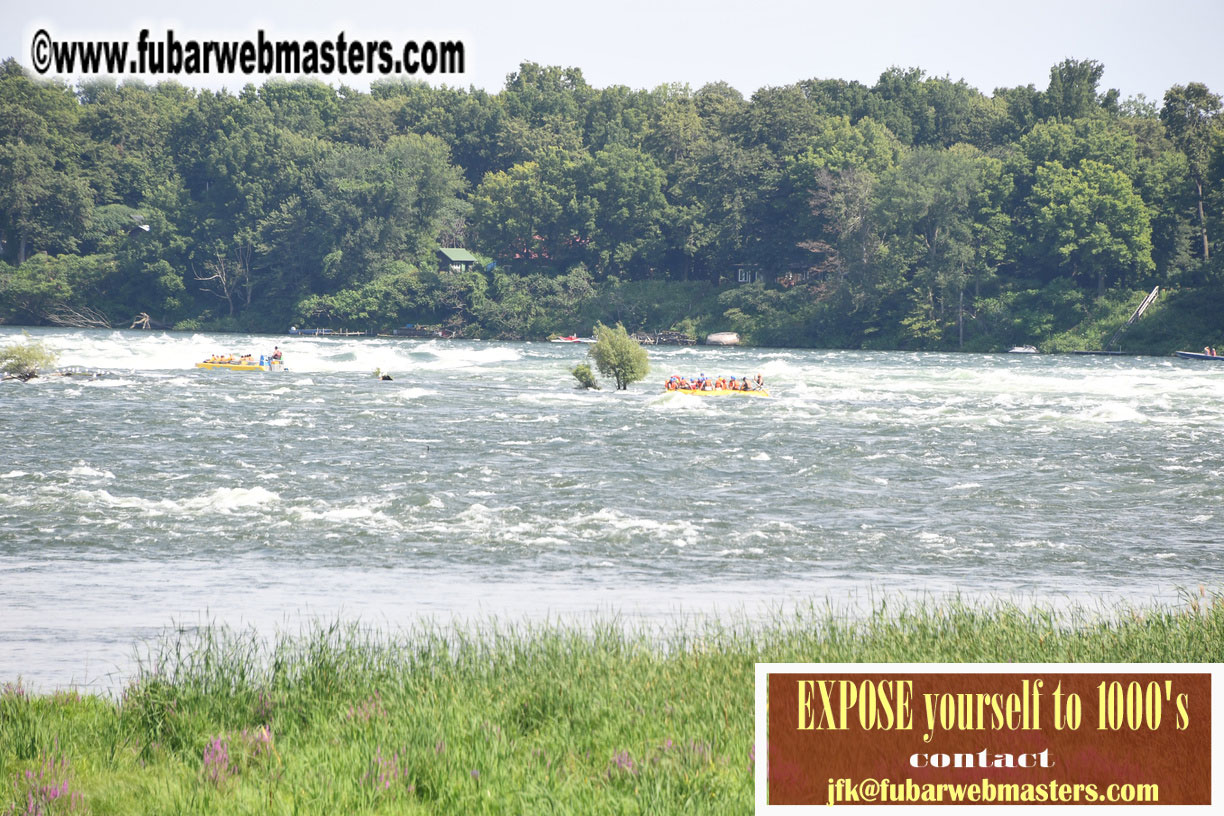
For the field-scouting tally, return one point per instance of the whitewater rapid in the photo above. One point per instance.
(480, 481)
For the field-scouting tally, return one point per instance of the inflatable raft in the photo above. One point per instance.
(264, 364)
(720, 392)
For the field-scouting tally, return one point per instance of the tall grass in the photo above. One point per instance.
(497, 718)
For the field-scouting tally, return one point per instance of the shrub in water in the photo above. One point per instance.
(23, 360)
(585, 377)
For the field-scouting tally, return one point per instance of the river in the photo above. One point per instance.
(481, 483)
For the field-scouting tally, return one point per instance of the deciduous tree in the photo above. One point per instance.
(1191, 115)
(619, 356)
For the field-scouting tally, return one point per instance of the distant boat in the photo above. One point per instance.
(322, 332)
(1198, 355)
(723, 339)
(416, 330)
(572, 338)
(1022, 350)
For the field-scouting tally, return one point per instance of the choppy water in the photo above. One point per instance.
(481, 482)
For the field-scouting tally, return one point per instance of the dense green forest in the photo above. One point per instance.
(917, 213)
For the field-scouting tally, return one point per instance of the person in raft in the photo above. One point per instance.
(276, 354)
(703, 383)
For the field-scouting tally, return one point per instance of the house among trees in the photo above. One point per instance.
(453, 259)
(745, 273)
(787, 277)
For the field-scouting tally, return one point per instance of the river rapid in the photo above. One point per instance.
(481, 483)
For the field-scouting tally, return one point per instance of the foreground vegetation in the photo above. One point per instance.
(915, 213)
(496, 719)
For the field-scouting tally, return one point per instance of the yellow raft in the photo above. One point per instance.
(273, 365)
(721, 392)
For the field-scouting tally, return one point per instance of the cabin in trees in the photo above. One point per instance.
(453, 259)
(783, 276)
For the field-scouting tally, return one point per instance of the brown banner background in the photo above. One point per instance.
(800, 763)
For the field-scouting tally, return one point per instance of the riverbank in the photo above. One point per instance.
(1054, 318)
(498, 718)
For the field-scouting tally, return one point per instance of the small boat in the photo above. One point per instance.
(1022, 350)
(295, 331)
(417, 330)
(238, 364)
(719, 392)
(572, 338)
(1198, 355)
(723, 339)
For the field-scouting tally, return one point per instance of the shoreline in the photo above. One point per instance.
(698, 343)
(106, 662)
(470, 719)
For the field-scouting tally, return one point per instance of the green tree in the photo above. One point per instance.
(45, 200)
(835, 147)
(536, 304)
(938, 208)
(1190, 114)
(128, 128)
(46, 286)
(537, 214)
(1072, 92)
(619, 356)
(1093, 221)
(630, 210)
(849, 255)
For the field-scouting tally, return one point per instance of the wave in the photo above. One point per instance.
(350, 515)
(221, 500)
(88, 472)
(1110, 413)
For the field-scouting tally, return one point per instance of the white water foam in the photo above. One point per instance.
(85, 471)
(221, 500)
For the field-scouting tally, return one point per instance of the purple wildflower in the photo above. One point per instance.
(369, 709)
(217, 766)
(47, 788)
(263, 707)
(386, 772)
(622, 762)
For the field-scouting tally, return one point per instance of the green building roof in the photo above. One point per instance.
(456, 255)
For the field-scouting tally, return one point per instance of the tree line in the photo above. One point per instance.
(914, 213)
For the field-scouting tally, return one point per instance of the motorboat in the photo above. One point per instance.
(242, 363)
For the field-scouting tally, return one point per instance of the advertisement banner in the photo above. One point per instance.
(948, 734)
